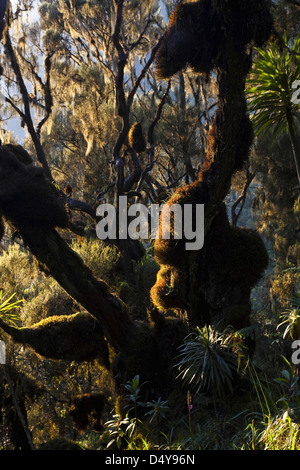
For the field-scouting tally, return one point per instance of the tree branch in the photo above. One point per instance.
(150, 164)
(241, 199)
(26, 102)
(47, 93)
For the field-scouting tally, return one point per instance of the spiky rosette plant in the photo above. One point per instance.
(8, 308)
(291, 319)
(206, 362)
(271, 90)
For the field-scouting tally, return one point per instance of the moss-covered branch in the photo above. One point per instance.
(78, 337)
(31, 205)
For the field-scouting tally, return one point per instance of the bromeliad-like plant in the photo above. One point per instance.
(207, 361)
(291, 318)
(7, 308)
(271, 93)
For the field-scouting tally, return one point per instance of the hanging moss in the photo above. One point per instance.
(221, 275)
(166, 293)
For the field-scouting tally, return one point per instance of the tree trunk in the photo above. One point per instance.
(214, 283)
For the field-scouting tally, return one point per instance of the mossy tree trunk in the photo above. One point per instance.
(214, 283)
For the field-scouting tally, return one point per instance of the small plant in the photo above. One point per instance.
(290, 384)
(207, 361)
(291, 317)
(123, 431)
(157, 409)
(6, 308)
(133, 387)
(120, 431)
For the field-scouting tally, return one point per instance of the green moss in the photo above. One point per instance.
(166, 293)
(60, 444)
(76, 337)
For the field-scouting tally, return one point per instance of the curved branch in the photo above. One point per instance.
(47, 94)
(82, 206)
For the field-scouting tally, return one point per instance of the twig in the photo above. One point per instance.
(17, 407)
(150, 164)
(26, 102)
(241, 199)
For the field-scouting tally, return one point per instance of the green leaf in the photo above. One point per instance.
(285, 374)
